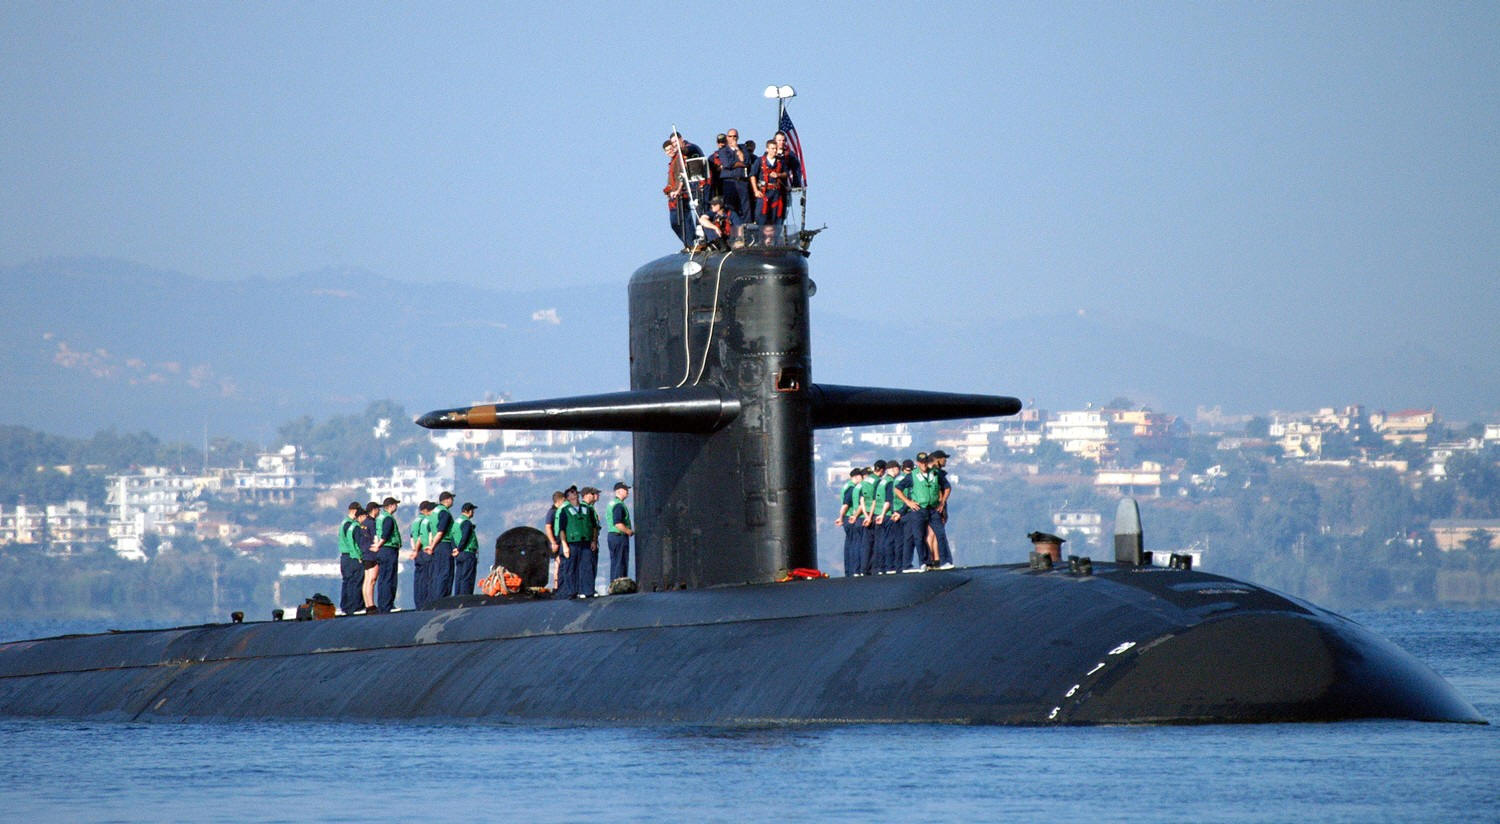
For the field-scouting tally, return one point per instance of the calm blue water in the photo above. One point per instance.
(1364, 771)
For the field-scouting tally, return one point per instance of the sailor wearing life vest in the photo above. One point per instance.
(905, 546)
(351, 572)
(848, 518)
(465, 551)
(440, 576)
(574, 530)
(719, 223)
(770, 179)
(588, 559)
(890, 529)
(677, 194)
(620, 531)
(387, 553)
(421, 554)
(866, 550)
(919, 491)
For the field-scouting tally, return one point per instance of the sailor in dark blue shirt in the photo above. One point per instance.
(733, 163)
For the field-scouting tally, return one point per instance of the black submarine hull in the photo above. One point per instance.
(986, 645)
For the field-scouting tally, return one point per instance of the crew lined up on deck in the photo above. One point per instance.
(730, 189)
(895, 514)
(573, 527)
(444, 548)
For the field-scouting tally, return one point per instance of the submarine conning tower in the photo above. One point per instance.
(723, 408)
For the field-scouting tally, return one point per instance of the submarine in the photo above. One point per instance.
(722, 406)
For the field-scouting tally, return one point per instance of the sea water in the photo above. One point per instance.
(277, 771)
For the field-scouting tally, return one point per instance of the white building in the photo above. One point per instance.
(1084, 432)
(968, 445)
(151, 501)
(1298, 438)
(525, 462)
(1145, 480)
(413, 483)
(57, 529)
(1438, 455)
(276, 477)
(896, 436)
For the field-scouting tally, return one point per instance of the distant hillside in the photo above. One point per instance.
(87, 344)
(94, 343)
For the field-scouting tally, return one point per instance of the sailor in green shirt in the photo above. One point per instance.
(388, 540)
(574, 530)
(885, 521)
(866, 560)
(620, 530)
(351, 571)
(920, 492)
(465, 551)
(588, 559)
(440, 571)
(848, 518)
(904, 543)
(421, 553)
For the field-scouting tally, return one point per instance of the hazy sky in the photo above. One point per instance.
(1287, 174)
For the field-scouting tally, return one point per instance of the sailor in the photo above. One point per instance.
(866, 560)
(620, 531)
(769, 182)
(905, 547)
(713, 166)
(421, 555)
(939, 460)
(548, 528)
(351, 571)
(719, 223)
(881, 506)
(848, 518)
(677, 194)
(442, 548)
(573, 531)
(388, 539)
(588, 559)
(695, 168)
(888, 540)
(465, 551)
(921, 496)
(364, 538)
(733, 164)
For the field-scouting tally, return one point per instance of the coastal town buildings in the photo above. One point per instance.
(56, 529)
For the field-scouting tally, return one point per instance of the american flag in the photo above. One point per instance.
(791, 139)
